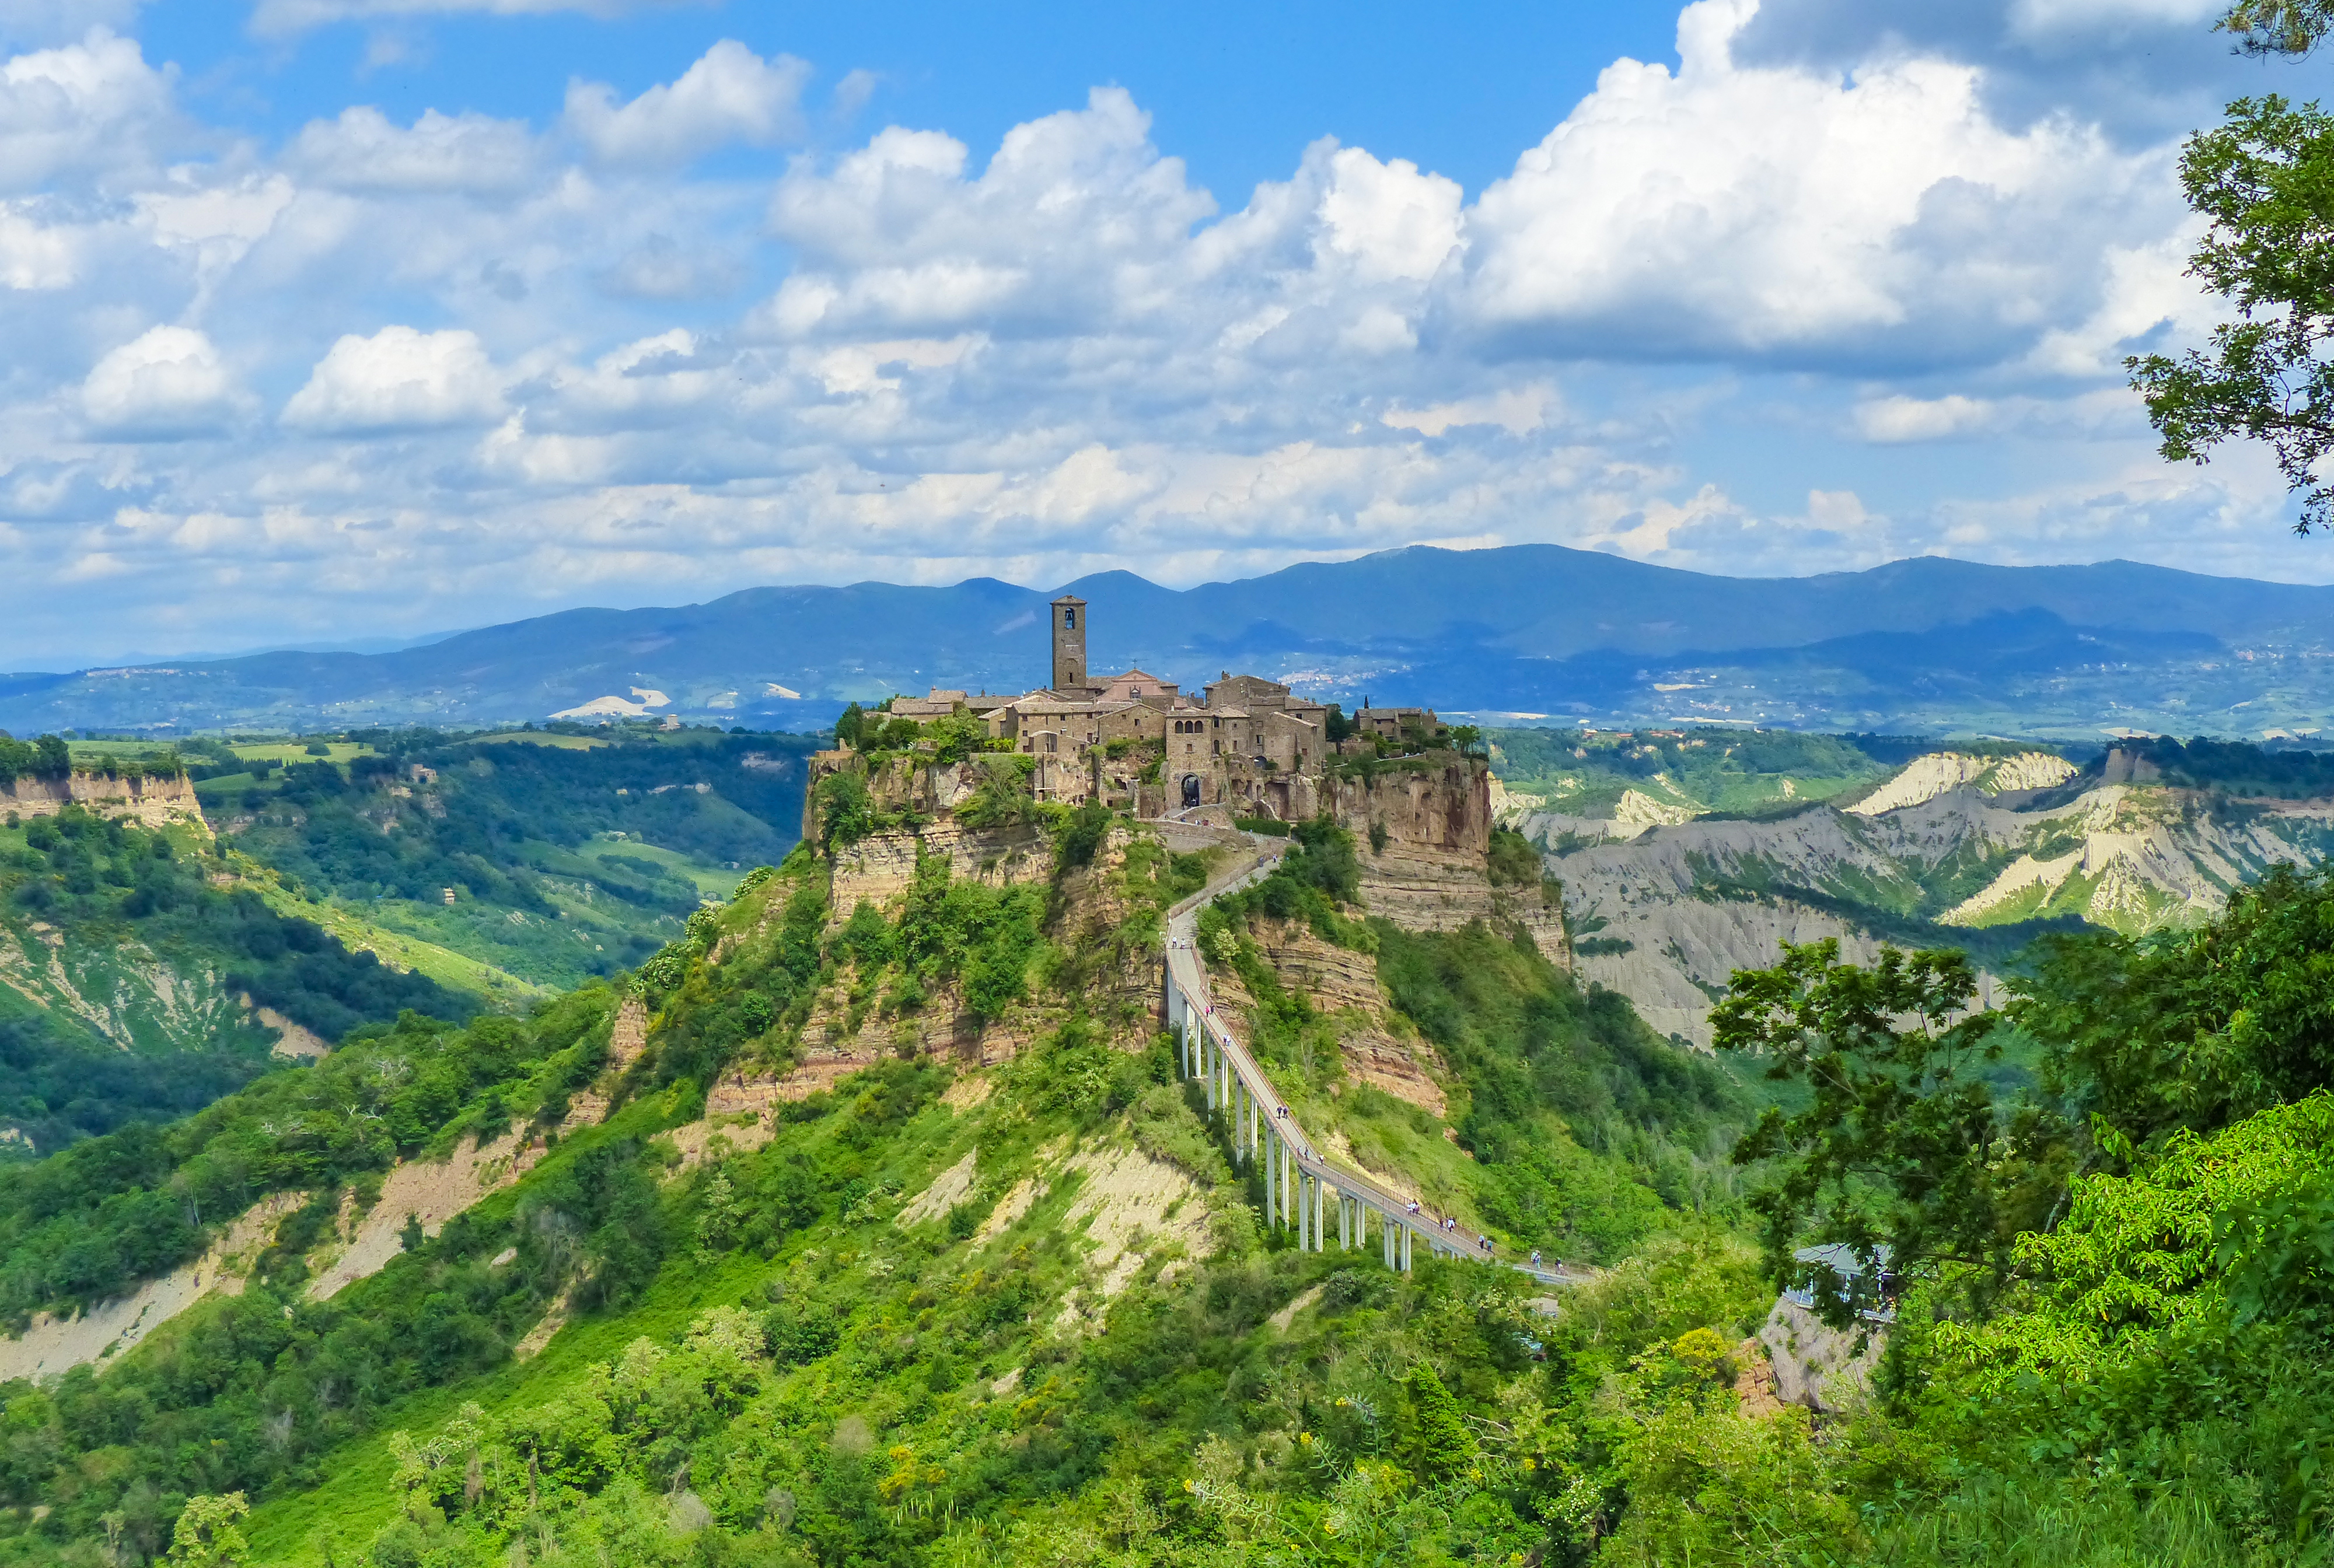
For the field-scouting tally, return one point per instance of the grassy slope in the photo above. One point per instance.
(1585, 774)
(544, 897)
(360, 930)
(921, 1336)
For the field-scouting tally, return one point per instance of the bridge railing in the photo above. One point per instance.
(1302, 1189)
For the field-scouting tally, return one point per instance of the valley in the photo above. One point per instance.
(1666, 892)
(853, 1206)
(172, 921)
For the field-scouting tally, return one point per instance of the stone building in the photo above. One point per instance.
(1244, 742)
(1392, 722)
(1069, 626)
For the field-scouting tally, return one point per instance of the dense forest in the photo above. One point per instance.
(570, 856)
(754, 1341)
(872, 1332)
(122, 897)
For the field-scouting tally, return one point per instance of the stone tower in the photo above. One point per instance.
(1069, 643)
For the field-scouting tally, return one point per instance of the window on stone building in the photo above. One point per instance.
(1069, 620)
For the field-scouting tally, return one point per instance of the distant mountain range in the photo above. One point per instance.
(1529, 632)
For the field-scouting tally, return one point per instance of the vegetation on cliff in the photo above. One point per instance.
(47, 757)
(927, 1311)
(135, 911)
(570, 857)
(2110, 1311)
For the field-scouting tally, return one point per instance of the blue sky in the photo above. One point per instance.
(1234, 89)
(337, 319)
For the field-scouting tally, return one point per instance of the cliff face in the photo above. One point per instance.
(1445, 807)
(880, 866)
(152, 802)
(1342, 985)
(1433, 870)
(1666, 915)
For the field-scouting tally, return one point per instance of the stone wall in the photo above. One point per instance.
(152, 802)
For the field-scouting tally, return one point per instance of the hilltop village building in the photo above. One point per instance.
(1244, 741)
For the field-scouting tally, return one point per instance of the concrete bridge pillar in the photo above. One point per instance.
(1273, 1172)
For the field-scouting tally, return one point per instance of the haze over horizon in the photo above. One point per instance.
(358, 319)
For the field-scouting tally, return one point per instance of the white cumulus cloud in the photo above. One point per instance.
(1784, 212)
(165, 383)
(363, 151)
(730, 95)
(399, 379)
(86, 108)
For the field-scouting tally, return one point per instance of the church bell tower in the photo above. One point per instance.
(1069, 643)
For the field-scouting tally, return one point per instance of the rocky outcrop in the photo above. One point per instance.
(1441, 802)
(1342, 985)
(428, 1192)
(1925, 778)
(1816, 1365)
(361, 1246)
(153, 802)
(53, 1345)
(879, 868)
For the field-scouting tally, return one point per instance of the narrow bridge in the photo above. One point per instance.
(1302, 1190)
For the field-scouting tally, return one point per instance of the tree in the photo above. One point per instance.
(2291, 27)
(1898, 1150)
(205, 1535)
(2264, 180)
(846, 811)
(1433, 1437)
(2193, 1030)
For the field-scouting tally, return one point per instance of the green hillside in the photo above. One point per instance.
(788, 1344)
(130, 979)
(890, 1236)
(568, 855)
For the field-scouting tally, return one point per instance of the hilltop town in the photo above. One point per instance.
(1138, 741)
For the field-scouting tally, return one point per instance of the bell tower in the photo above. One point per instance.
(1069, 643)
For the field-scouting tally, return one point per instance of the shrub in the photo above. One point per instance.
(1081, 834)
(846, 811)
